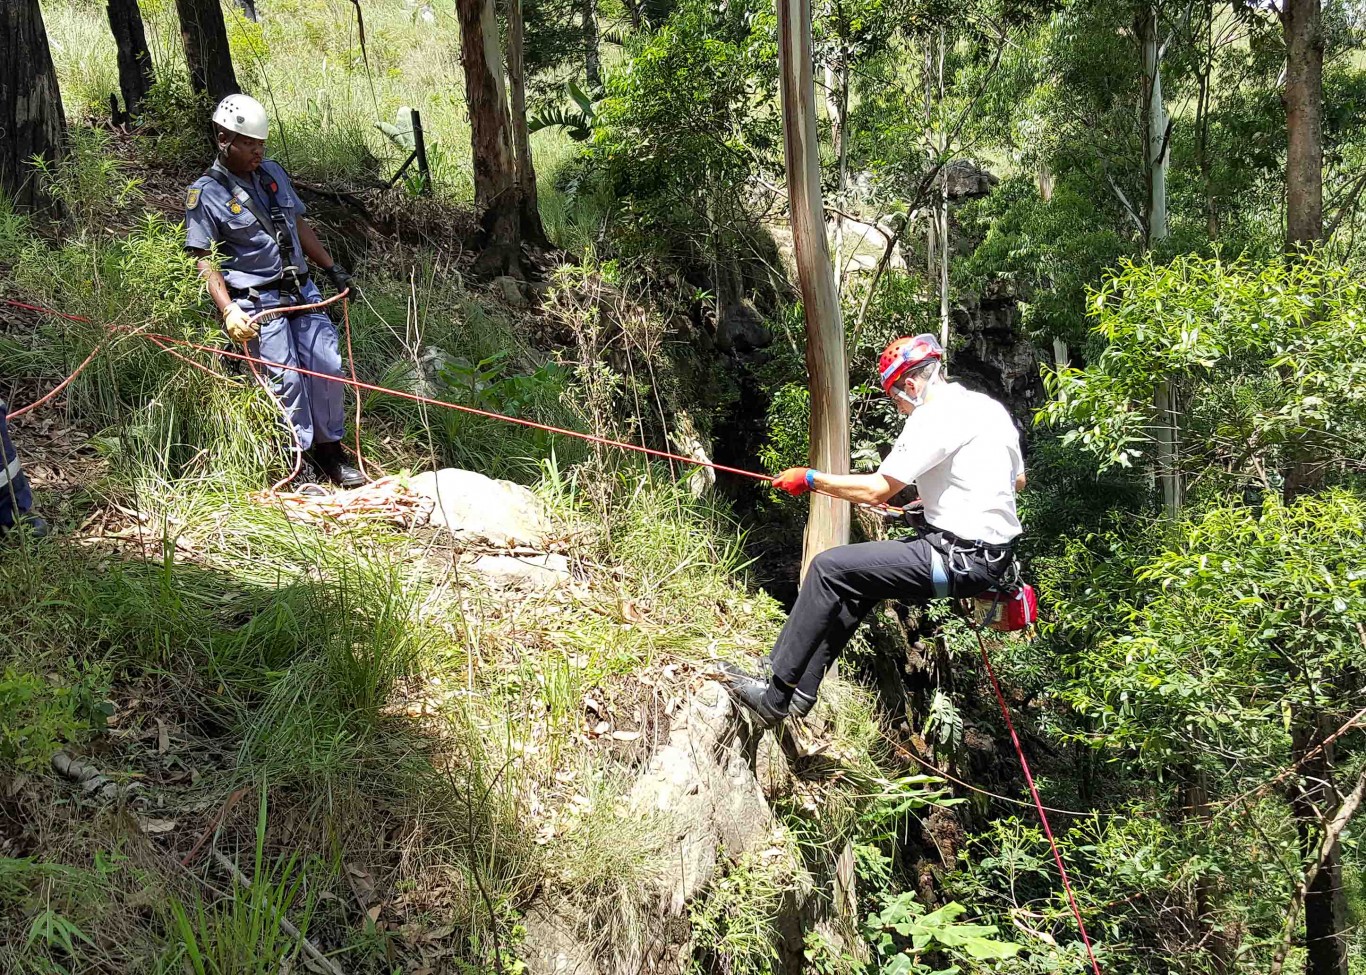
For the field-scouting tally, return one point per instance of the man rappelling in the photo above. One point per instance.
(246, 205)
(962, 451)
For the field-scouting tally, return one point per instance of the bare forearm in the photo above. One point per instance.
(315, 249)
(858, 488)
(213, 280)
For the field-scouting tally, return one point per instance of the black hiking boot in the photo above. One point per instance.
(27, 524)
(753, 693)
(801, 705)
(331, 460)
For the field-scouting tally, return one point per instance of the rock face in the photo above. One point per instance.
(481, 511)
(997, 357)
(969, 181)
(742, 328)
(701, 782)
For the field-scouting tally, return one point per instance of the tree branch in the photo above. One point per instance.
(1346, 205)
(1331, 834)
(1124, 201)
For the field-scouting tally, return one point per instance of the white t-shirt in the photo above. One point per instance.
(962, 451)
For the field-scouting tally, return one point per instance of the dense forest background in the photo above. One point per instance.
(1136, 224)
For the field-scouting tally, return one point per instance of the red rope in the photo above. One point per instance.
(59, 387)
(1038, 803)
(431, 401)
(69, 379)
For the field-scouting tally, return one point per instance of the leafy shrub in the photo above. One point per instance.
(43, 714)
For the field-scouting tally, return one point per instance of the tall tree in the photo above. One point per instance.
(207, 54)
(135, 61)
(1156, 154)
(828, 524)
(1325, 909)
(496, 191)
(533, 231)
(1302, 21)
(30, 103)
(592, 61)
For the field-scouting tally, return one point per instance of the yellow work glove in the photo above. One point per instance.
(240, 327)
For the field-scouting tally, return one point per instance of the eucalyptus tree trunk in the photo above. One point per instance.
(533, 231)
(1156, 156)
(1156, 140)
(207, 54)
(135, 61)
(30, 103)
(496, 193)
(837, 108)
(592, 60)
(828, 524)
(1302, 22)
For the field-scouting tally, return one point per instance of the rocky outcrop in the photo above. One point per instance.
(968, 181)
(702, 783)
(995, 355)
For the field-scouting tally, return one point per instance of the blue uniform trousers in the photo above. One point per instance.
(15, 494)
(314, 407)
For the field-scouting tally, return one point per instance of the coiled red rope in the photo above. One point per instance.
(164, 342)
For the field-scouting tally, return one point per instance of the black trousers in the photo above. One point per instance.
(842, 586)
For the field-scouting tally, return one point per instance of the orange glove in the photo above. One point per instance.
(795, 481)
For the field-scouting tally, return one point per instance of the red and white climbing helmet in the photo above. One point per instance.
(905, 354)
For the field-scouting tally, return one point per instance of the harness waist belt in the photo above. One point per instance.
(938, 536)
(286, 284)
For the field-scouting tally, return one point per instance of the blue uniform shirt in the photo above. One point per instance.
(251, 257)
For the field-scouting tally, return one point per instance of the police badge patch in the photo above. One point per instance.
(192, 198)
(234, 207)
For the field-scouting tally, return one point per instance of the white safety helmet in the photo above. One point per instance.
(242, 114)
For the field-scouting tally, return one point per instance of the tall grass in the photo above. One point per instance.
(325, 92)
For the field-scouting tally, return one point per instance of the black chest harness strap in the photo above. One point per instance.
(294, 272)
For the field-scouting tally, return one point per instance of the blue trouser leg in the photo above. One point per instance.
(315, 341)
(15, 495)
(275, 343)
(313, 407)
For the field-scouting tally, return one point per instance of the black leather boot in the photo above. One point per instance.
(332, 461)
(757, 696)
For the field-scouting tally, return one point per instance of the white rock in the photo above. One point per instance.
(478, 509)
(534, 572)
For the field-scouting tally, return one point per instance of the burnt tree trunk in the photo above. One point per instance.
(207, 55)
(30, 104)
(533, 231)
(1303, 25)
(135, 61)
(496, 192)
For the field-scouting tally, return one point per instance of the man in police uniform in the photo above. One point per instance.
(16, 498)
(246, 205)
(962, 452)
